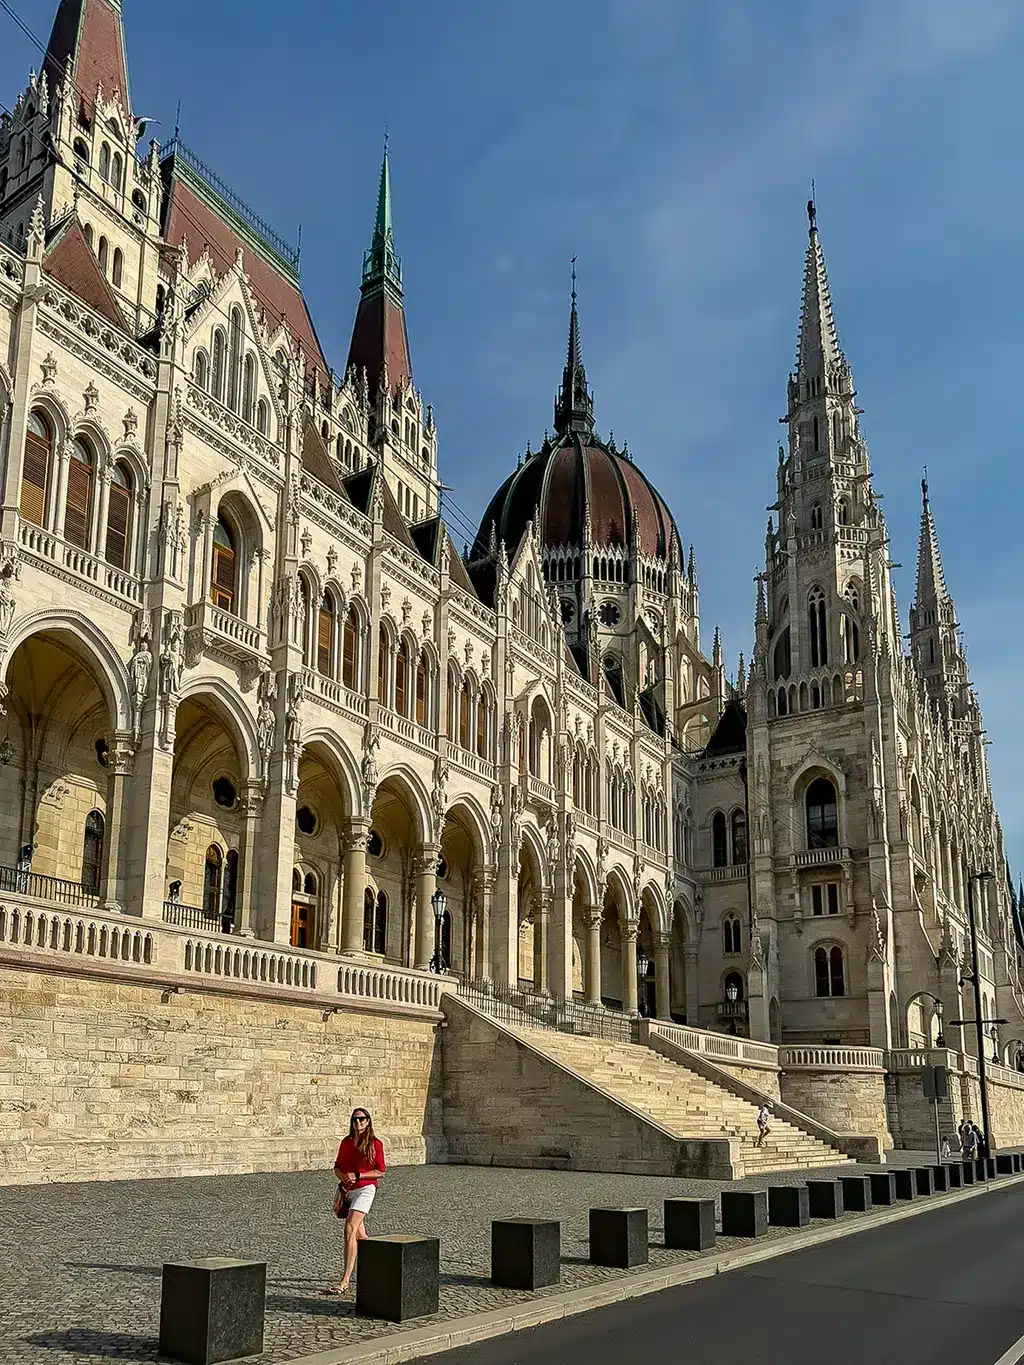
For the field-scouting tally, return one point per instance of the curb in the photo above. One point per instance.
(396, 1347)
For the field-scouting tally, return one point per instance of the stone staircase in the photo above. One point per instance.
(680, 1100)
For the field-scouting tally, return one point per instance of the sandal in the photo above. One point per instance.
(336, 1291)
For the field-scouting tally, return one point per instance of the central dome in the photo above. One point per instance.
(575, 477)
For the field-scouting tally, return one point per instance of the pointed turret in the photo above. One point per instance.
(818, 350)
(574, 406)
(380, 342)
(931, 582)
(86, 50)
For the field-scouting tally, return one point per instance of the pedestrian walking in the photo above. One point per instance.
(947, 1149)
(358, 1166)
(969, 1140)
(764, 1119)
(980, 1141)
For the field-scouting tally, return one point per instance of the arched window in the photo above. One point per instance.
(212, 873)
(81, 152)
(850, 633)
(843, 512)
(829, 972)
(464, 699)
(105, 160)
(119, 513)
(35, 472)
(201, 369)
(325, 637)
(816, 521)
(262, 417)
(719, 841)
(403, 667)
(307, 621)
(78, 507)
(88, 234)
(249, 389)
(310, 885)
(734, 986)
(822, 814)
(783, 659)
(739, 837)
(818, 628)
(422, 683)
(92, 853)
(104, 254)
(222, 578)
(349, 648)
(482, 709)
(118, 267)
(217, 366)
(383, 666)
(117, 171)
(296, 879)
(375, 922)
(235, 359)
(732, 941)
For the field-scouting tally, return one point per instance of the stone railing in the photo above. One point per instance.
(540, 790)
(45, 545)
(718, 1046)
(820, 857)
(831, 1059)
(171, 955)
(733, 872)
(587, 821)
(914, 1058)
(334, 693)
(1005, 1075)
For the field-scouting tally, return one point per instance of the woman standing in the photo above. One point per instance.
(359, 1165)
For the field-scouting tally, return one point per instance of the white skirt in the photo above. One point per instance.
(360, 1200)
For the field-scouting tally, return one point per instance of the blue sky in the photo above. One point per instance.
(669, 144)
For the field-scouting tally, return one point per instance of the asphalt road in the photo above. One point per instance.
(942, 1288)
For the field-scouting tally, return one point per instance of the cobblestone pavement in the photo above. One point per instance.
(80, 1265)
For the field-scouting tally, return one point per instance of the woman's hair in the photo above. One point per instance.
(364, 1141)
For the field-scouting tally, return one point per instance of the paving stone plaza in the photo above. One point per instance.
(80, 1264)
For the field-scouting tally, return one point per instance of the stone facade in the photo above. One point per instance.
(252, 689)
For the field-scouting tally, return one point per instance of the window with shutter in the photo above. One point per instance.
(78, 508)
(421, 691)
(464, 715)
(401, 679)
(92, 853)
(348, 662)
(36, 469)
(481, 727)
(118, 514)
(325, 637)
(382, 670)
(222, 587)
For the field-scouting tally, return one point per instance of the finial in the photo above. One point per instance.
(573, 264)
(924, 484)
(812, 211)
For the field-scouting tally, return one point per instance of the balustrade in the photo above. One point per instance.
(831, 1059)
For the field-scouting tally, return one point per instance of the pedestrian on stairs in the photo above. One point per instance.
(764, 1118)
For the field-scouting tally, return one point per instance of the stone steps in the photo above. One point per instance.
(688, 1105)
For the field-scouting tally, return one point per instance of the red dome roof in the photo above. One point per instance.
(556, 488)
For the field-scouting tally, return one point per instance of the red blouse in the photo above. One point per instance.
(350, 1158)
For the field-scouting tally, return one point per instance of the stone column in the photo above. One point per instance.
(662, 986)
(592, 968)
(629, 930)
(271, 914)
(252, 809)
(121, 762)
(690, 954)
(426, 885)
(146, 821)
(483, 893)
(541, 942)
(353, 845)
(98, 532)
(329, 919)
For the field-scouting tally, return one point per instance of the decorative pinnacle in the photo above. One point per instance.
(381, 264)
(818, 346)
(574, 407)
(931, 581)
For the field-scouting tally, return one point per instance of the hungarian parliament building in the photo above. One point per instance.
(252, 688)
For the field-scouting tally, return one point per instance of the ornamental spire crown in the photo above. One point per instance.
(574, 406)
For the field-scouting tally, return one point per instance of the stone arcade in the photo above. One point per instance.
(259, 709)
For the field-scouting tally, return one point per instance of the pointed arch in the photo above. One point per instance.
(232, 712)
(92, 643)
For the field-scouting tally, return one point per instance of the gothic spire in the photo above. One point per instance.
(818, 346)
(931, 582)
(86, 50)
(574, 406)
(380, 343)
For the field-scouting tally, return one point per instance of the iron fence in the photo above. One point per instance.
(23, 882)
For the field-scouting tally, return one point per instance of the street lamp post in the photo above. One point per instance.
(439, 903)
(979, 1023)
(642, 964)
(940, 1037)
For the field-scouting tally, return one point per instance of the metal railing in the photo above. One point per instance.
(522, 1009)
(195, 917)
(23, 882)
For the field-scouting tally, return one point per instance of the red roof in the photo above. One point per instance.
(70, 261)
(87, 44)
(189, 216)
(379, 334)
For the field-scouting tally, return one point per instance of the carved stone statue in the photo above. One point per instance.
(293, 713)
(140, 667)
(266, 721)
(171, 654)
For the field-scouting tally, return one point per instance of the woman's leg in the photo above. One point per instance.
(353, 1234)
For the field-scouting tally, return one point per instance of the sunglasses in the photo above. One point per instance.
(361, 1118)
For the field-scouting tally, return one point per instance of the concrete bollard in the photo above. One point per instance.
(744, 1213)
(212, 1309)
(906, 1185)
(525, 1253)
(990, 1168)
(883, 1187)
(925, 1178)
(969, 1172)
(1004, 1164)
(856, 1193)
(690, 1224)
(618, 1237)
(980, 1169)
(940, 1178)
(397, 1277)
(824, 1198)
(955, 1174)
(788, 1206)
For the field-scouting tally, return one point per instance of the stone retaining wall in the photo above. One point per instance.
(107, 1079)
(845, 1101)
